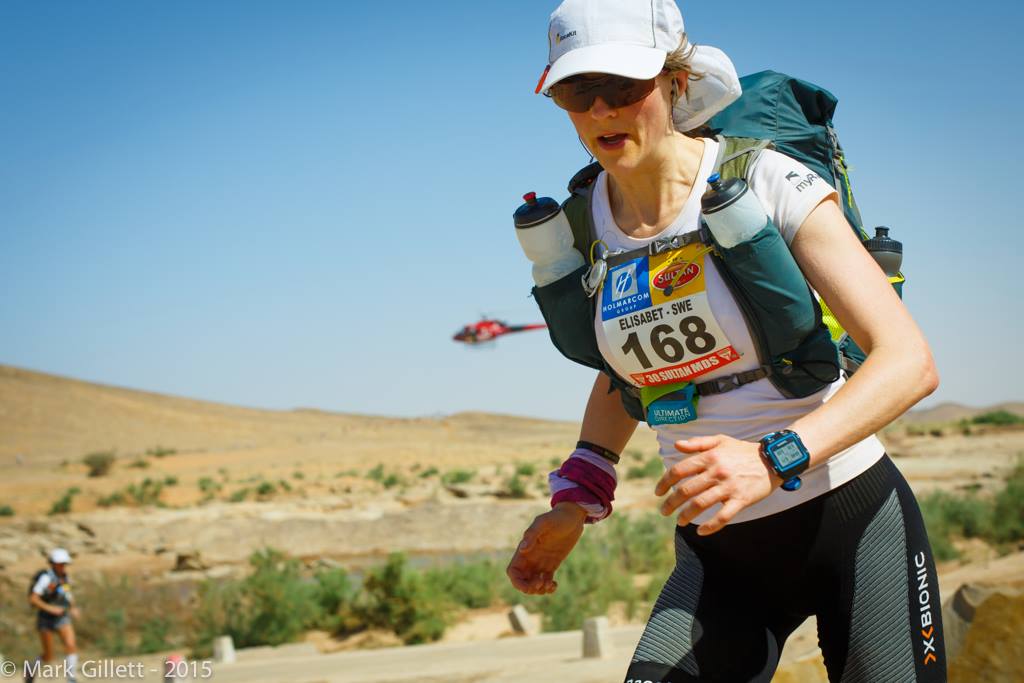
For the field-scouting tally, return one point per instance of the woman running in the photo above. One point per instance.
(51, 596)
(787, 505)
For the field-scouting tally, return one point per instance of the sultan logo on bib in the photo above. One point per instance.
(656, 318)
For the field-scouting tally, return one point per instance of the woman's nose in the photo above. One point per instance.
(600, 109)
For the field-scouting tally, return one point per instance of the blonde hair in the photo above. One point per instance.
(680, 60)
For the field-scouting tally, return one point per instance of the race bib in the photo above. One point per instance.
(657, 321)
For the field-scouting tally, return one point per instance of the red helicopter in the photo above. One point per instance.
(487, 330)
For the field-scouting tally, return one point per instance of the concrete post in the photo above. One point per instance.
(224, 650)
(521, 621)
(597, 641)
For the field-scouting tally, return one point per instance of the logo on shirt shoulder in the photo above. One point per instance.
(800, 182)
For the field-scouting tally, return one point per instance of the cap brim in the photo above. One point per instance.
(631, 61)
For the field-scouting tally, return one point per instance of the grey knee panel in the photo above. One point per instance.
(880, 640)
(668, 637)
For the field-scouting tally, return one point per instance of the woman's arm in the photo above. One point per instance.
(605, 421)
(899, 370)
(553, 535)
(36, 601)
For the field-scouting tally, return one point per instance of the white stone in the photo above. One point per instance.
(224, 650)
(521, 621)
(597, 640)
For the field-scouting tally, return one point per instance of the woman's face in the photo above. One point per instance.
(624, 138)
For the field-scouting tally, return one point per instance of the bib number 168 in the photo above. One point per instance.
(668, 346)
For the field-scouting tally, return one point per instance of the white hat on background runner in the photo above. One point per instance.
(631, 38)
(60, 556)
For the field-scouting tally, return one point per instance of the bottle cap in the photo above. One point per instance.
(535, 211)
(722, 193)
(882, 242)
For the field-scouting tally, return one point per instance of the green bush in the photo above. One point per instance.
(1000, 418)
(265, 489)
(160, 451)
(115, 498)
(297, 474)
(139, 463)
(515, 488)
(208, 485)
(457, 476)
(146, 492)
(429, 472)
(525, 469)
(470, 584)
(6, 511)
(391, 480)
(1008, 508)
(155, 635)
(398, 598)
(653, 469)
(273, 605)
(170, 481)
(62, 505)
(377, 473)
(239, 495)
(334, 594)
(99, 463)
(284, 485)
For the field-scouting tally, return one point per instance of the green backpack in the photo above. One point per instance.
(793, 117)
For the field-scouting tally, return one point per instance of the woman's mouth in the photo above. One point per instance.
(612, 141)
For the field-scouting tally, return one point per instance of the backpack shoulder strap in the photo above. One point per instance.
(577, 207)
(735, 155)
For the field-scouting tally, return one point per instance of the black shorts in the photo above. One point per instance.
(857, 557)
(51, 622)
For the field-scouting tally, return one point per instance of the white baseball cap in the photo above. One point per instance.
(631, 38)
(60, 556)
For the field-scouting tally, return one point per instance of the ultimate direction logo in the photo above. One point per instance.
(800, 182)
(559, 37)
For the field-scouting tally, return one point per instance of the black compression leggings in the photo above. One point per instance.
(857, 557)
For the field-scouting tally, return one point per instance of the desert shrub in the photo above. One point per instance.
(470, 584)
(170, 481)
(457, 476)
(239, 495)
(147, 492)
(937, 433)
(515, 488)
(160, 451)
(139, 463)
(555, 462)
(1008, 507)
(429, 472)
(999, 418)
(653, 469)
(208, 485)
(297, 474)
(272, 605)
(6, 511)
(62, 505)
(265, 489)
(391, 480)
(525, 469)
(154, 635)
(397, 598)
(99, 463)
(115, 498)
(284, 485)
(915, 430)
(334, 594)
(642, 544)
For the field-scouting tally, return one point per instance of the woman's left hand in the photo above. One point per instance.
(718, 469)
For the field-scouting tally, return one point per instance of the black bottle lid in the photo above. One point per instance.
(722, 193)
(882, 242)
(535, 211)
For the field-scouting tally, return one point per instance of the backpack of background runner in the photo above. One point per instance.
(796, 117)
(35, 578)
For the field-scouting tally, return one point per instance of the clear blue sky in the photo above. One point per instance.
(284, 204)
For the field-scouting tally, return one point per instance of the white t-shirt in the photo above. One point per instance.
(788, 190)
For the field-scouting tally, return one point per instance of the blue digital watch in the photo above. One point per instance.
(786, 454)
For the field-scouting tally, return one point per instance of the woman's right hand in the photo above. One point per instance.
(546, 543)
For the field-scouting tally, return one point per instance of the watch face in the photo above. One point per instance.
(787, 453)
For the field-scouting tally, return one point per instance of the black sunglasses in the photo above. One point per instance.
(577, 93)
